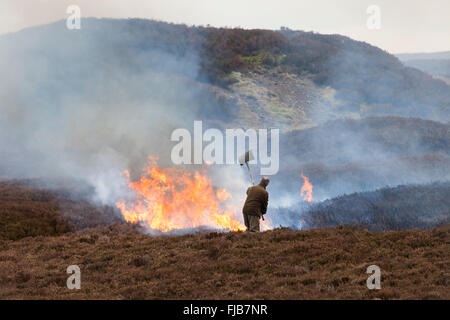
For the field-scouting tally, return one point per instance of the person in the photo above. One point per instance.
(255, 205)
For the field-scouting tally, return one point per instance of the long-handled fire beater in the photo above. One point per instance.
(245, 159)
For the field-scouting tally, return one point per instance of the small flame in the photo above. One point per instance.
(222, 194)
(168, 199)
(306, 190)
(266, 224)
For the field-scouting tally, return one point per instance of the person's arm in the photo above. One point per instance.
(265, 203)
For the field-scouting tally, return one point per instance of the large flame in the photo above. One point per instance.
(306, 190)
(168, 199)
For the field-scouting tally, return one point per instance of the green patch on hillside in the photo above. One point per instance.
(264, 59)
(283, 112)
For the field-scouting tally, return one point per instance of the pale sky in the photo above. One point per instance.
(406, 25)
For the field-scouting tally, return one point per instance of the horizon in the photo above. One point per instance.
(209, 26)
(404, 26)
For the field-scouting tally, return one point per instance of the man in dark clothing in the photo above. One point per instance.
(255, 205)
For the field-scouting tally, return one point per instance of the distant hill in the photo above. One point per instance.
(444, 55)
(437, 63)
(402, 207)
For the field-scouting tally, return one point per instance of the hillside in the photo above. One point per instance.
(402, 207)
(351, 139)
(351, 155)
(438, 67)
(83, 112)
(46, 226)
(30, 208)
(117, 95)
(436, 63)
(306, 77)
(443, 55)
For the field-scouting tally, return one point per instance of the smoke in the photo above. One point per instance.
(370, 82)
(370, 134)
(348, 156)
(91, 103)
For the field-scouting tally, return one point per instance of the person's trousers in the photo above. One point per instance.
(251, 221)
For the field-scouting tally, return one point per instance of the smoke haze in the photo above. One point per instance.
(91, 103)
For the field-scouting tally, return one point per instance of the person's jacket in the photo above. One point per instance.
(257, 200)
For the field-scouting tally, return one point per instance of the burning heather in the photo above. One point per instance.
(306, 190)
(170, 199)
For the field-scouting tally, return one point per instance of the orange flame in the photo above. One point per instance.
(222, 194)
(306, 190)
(266, 224)
(168, 199)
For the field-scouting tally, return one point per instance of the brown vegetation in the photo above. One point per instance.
(39, 240)
(118, 263)
(30, 208)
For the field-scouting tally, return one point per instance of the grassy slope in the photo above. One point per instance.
(118, 263)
